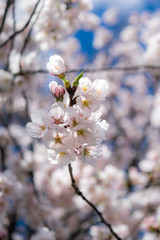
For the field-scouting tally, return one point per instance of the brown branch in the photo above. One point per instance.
(23, 28)
(9, 2)
(12, 41)
(27, 39)
(78, 192)
(90, 70)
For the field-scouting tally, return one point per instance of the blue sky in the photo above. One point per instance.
(125, 7)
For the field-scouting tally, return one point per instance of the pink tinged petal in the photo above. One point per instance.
(35, 130)
(52, 86)
(59, 139)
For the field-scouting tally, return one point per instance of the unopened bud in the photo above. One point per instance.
(57, 91)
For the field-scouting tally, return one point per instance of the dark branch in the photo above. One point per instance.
(5, 14)
(78, 192)
(12, 41)
(23, 28)
(29, 33)
(90, 70)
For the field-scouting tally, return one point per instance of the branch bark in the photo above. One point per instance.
(78, 192)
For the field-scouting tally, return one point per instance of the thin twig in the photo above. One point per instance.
(23, 28)
(105, 69)
(12, 41)
(29, 34)
(78, 192)
(5, 14)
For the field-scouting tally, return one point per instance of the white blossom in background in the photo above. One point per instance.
(152, 54)
(37, 127)
(102, 36)
(44, 233)
(110, 16)
(5, 80)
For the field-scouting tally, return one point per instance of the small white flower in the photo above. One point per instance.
(100, 89)
(56, 65)
(74, 119)
(57, 115)
(37, 127)
(99, 130)
(59, 139)
(84, 87)
(90, 154)
(87, 104)
(63, 158)
(84, 135)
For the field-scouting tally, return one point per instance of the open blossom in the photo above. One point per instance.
(62, 158)
(100, 89)
(97, 89)
(87, 104)
(90, 154)
(58, 139)
(56, 65)
(37, 127)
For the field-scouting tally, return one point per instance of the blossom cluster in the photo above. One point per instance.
(73, 128)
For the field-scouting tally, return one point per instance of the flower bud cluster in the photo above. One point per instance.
(73, 128)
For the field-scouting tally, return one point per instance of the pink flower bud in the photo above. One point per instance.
(59, 91)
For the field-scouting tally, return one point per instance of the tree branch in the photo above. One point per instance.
(23, 28)
(78, 192)
(5, 14)
(140, 68)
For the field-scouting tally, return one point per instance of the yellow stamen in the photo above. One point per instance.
(85, 103)
(81, 132)
(58, 139)
(84, 88)
(98, 91)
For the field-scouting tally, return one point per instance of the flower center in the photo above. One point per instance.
(57, 68)
(98, 91)
(61, 154)
(85, 103)
(81, 132)
(58, 139)
(75, 123)
(86, 152)
(84, 88)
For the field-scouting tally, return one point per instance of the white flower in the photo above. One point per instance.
(5, 80)
(74, 118)
(90, 154)
(100, 89)
(99, 130)
(87, 104)
(84, 135)
(56, 65)
(84, 87)
(57, 115)
(101, 37)
(62, 158)
(59, 139)
(37, 127)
